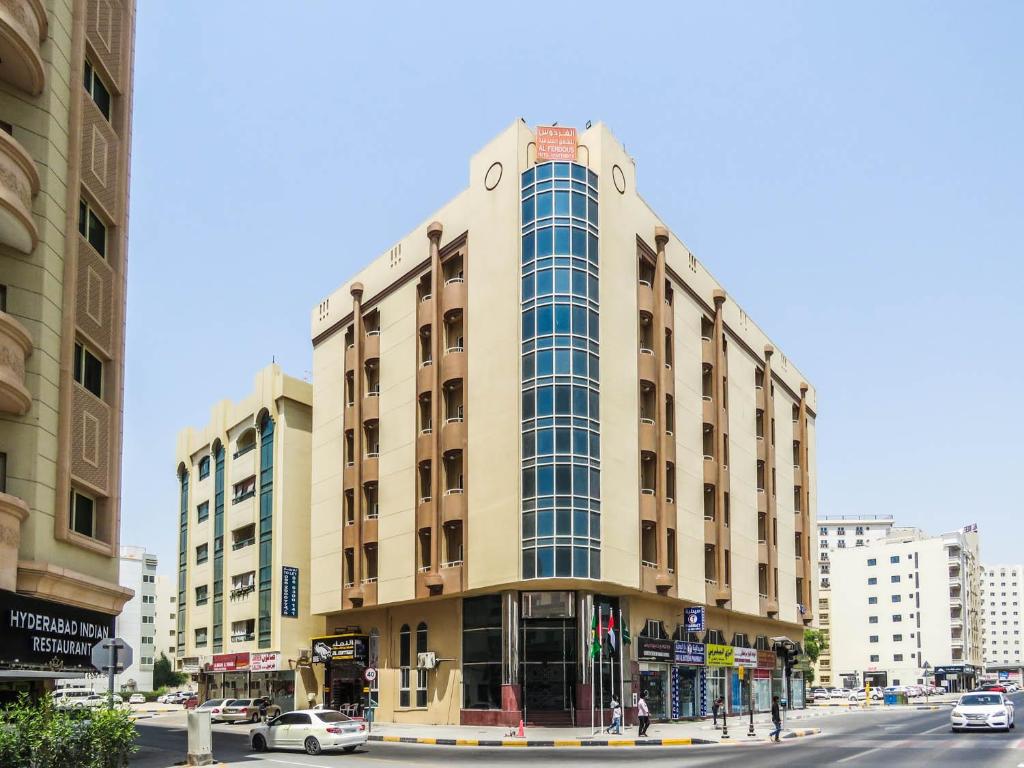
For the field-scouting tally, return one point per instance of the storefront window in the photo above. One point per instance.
(421, 674)
(481, 652)
(716, 678)
(654, 678)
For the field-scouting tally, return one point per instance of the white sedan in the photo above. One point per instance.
(987, 710)
(313, 730)
(860, 694)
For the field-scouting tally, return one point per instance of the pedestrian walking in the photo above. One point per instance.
(776, 719)
(716, 707)
(643, 714)
(616, 725)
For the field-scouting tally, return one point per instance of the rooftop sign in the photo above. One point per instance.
(556, 143)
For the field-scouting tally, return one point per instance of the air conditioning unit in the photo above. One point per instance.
(426, 660)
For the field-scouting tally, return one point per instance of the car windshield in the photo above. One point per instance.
(213, 703)
(237, 703)
(981, 700)
(332, 717)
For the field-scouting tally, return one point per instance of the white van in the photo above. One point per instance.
(71, 698)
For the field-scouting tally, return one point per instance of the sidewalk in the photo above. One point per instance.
(659, 734)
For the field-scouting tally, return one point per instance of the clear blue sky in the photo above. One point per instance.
(852, 175)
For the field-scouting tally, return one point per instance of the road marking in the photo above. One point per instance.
(292, 762)
(859, 754)
(943, 727)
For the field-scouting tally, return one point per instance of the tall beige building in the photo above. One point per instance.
(536, 409)
(65, 130)
(243, 615)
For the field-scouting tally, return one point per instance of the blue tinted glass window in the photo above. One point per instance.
(561, 203)
(529, 445)
(562, 358)
(528, 324)
(529, 564)
(545, 442)
(545, 562)
(527, 210)
(527, 287)
(543, 205)
(563, 398)
(562, 280)
(592, 179)
(527, 177)
(528, 247)
(562, 170)
(579, 206)
(529, 487)
(562, 440)
(545, 398)
(529, 525)
(562, 240)
(528, 399)
(544, 362)
(579, 242)
(544, 282)
(544, 171)
(579, 320)
(579, 363)
(592, 249)
(579, 173)
(545, 481)
(528, 363)
(579, 283)
(544, 243)
(544, 321)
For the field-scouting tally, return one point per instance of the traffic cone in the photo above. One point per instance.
(521, 734)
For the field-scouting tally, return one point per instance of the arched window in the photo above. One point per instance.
(404, 654)
(421, 674)
(245, 442)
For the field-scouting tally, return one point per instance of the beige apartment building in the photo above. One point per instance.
(536, 409)
(243, 613)
(65, 135)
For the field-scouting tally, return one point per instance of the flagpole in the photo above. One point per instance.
(622, 679)
(590, 653)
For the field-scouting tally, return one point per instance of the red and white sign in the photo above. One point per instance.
(555, 143)
(228, 662)
(265, 662)
(744, 657)
(762, 674)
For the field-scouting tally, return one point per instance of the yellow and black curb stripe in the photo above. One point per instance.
(549, 743)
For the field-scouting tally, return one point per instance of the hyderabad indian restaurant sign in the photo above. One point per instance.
(555, 143)
(39, 632)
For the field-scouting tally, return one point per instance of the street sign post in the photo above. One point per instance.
(111, 655)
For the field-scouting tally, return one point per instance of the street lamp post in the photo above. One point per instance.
(927, 686)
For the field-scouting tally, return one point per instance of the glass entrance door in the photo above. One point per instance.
(548, 656)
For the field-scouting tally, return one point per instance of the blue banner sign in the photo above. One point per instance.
(693, 618)
(289, 591)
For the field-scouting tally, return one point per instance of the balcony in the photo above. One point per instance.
(648, 506)
(453, 294)
(350, 358)
(453, 506)
(425, 311)
(19, 183)
(453, 435)
(425, 377)
(371, 407)
(424, 443)
(370, 468)
(424, 513)
(22, 30)
(453, 365)
(15, 346)
(13, 512)
(648, 435)
(371, 345)
(645, 297)
(647, 366)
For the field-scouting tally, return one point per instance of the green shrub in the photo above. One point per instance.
(38, 735)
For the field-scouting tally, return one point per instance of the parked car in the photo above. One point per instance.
(100, 700)
(840, 693)
(313, 730)
(976, 711)
(996, 687)
(913, 691)
(820, 694)
(191, 702)
(137, 698)
(860, 695)
(213, 706)
(71, 698)
(239, 710)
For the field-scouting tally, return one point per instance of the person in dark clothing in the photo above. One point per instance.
(716, 707)
(776, 719)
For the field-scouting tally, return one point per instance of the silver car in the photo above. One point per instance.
(312, 730)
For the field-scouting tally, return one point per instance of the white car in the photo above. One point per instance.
(100, 700)
(313, 730)
(840, 693)
(137, 698)
(860, 695)
(987, 710)
(819, 694)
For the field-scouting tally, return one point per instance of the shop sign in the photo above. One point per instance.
(41, 633)
(264, 662)
(340, 648)
(653, 649)
(766, 659)
(762, 674)
(744, 657)
(289, 591)
(228, 662)
(555, 143)
(693, 618)
(689, 653)
(719, 655)
(677, 684)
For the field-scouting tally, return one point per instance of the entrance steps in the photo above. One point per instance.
(549, 719)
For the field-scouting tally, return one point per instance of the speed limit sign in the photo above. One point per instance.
(370, 674)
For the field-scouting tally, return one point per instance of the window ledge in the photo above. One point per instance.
(243, 497)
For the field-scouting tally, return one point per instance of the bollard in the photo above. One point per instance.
(200, 739)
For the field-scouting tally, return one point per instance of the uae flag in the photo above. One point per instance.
(611, 631)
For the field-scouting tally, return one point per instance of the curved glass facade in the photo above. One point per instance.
(561, 488)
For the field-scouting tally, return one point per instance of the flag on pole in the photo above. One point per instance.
(626, 639)
(595, 635)
(611, 631)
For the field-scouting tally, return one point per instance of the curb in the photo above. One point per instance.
(549, 743)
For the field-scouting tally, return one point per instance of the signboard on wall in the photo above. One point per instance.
(653, 649)
(42, 633)
(766, 659)
(744, 657)
(689, 653)
(555, 143)
(353, 648)
(289, 591)
(719, 655)
(264, 662)
(228, 662)
(693, 618)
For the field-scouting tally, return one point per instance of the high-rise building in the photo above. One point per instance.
(535, 411)
(243, 549)
(836, 533)
(903, 602)
(166, 618)
(1002, 595)
(65, 130)
(137, 622)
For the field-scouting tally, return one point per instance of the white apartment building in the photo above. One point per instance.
(837, 533)
(166, 617)
(137, 622)
(1002, 590)
(908, 600)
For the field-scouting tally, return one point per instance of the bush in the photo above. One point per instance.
(150, 695)
(38, 735)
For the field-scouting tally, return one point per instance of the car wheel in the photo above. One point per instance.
(312, 746)
(255, 717)
(351, 749)
(954, 729)
(259, 743)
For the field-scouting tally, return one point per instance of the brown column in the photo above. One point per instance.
(355, 594)
(721, 425)
(805, 513)
(769, 469)
(433, 577)
(664, 580)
